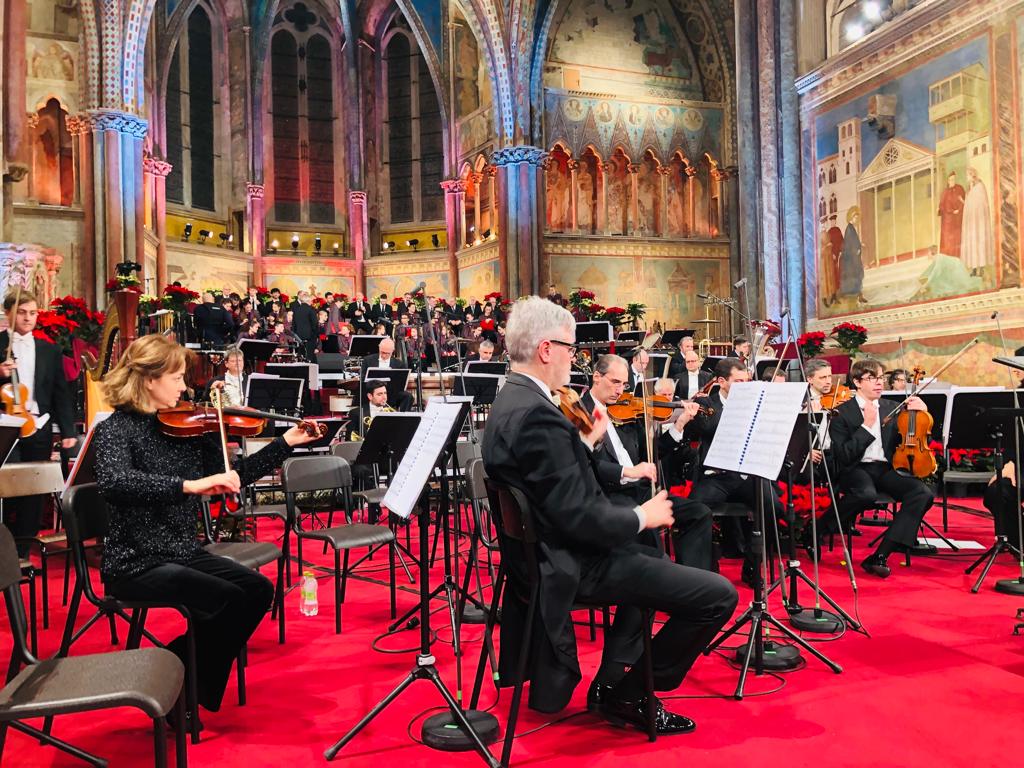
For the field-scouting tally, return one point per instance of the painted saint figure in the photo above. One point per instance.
(976, 244)
(951, 213)
(851, 268)
(585, 199)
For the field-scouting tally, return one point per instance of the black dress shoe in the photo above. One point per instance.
(877, 566)
(596, 694)
(623, 712)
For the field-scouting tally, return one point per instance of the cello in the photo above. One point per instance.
(913, 456)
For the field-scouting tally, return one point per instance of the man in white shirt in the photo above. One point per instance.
(40, 369)
(863, 446)
(234, 377)
(692, 380)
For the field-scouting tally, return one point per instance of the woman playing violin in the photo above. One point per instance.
(153, 484)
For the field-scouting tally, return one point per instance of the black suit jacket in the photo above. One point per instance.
(676, 365)
(304, 321)
(213, 323)
(683, 384)
(50, 388)
(531, 446)
(373, 361)
(704, 427)
(849, 441)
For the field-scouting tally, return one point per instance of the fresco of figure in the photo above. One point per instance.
(976, 242)
(585, 198)
(851, 268)
(951, 215)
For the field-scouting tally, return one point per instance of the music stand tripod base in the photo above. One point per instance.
(1011, 586)
(443, 733)
(815, 620)
(777, 657)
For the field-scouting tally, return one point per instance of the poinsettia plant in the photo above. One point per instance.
(811, 343)
(178, 297)
(148, 304)
(613, 315)
(131, 282)
(89, 324)
(55, 329)
(850, 337)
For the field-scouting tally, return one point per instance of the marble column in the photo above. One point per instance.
(492, 196)
(156, 171)
(634, 200)
(606, 168)
(80, 128)
(663, 174)
(574, 197)
(691, 202)
(519, 217)
(477, 180)
(359, 233)
(454, 193)
(255, 229)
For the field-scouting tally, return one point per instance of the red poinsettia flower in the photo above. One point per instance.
(681, 490)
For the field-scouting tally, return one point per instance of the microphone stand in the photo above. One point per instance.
(1013, 586)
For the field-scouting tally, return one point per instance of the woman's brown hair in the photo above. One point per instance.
(149, 357)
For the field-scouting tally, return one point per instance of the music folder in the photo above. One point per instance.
(397, 380)
(673, 336)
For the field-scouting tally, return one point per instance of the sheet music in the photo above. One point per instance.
(421, 457)
(755, 428)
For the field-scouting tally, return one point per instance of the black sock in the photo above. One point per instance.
(609, 673)
(885, 548)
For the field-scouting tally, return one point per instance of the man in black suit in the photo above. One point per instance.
(359, 314)
(741, 348)
(692, 379)
(625, 477)
(586, 542)
(380, 312)
(213, 322)
(305, 324)
(385, 358)
(637, 369)
(677, 365)
(862, 447)
(40, 368)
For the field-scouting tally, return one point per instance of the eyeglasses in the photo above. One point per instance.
(572, 348)
(869, 377)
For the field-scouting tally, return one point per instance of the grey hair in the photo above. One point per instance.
(384, 341)
(233, 351)
(671, 385)
(486, 344)
(532, 321)
(811, 367)
(605, 362)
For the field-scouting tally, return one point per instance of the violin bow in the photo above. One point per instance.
(218, 403)
(902, 406)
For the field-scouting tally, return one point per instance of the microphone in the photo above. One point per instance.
(994, 315)
(703, 295)
(784, 313)
(422, 286)
(740, 283)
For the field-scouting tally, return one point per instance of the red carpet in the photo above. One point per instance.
(939, 683)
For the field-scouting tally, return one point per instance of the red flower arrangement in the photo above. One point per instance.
(178, 297)
(613, 314)
(318, 303)
(117, 283)
(850, 336)
(89, 324)
(55, 329)
(811, 343)
(802, 499)
(396, 300)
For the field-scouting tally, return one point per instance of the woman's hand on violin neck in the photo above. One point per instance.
(222, 482)
(298, 435)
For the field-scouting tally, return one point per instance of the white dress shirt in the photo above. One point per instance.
(875, 451)
(692, 383)
(382, 363)
(23, 347)
(621, 454)
(234, 390)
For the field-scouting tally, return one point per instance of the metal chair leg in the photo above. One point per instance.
(337, 592)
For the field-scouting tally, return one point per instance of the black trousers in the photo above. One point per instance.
(691, 529)
(1000, 499)
(698, 604)
(23, 515)
(860, 486)
(227, 601)
(731, 487)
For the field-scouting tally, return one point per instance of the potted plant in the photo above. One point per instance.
(850, 337)
(811, 343)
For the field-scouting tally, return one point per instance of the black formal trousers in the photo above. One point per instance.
(732, 487)
(227, 601)
(860, 486)
(1000, 498)
(698, 603)
(27, 511)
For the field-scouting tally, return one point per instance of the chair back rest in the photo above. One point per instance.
(467, 451)
(348, 451)
(303, 474)
(514, 518)
(86, 514)
(10, 565)
(10, 576)
(475, 479)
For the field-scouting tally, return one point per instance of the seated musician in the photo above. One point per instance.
(897, 380)
(625, 477)
(385, 358)
(587, 542)
(1001, 499)
(153, 483)
(675, 453)
(819, 384)
(677, 365)
(692, 380)
(637, 369)
(713, 486)
(484, 353)
(233, 379)
(863, 449)
(741, 348)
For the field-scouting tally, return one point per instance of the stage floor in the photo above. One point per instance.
(939, 683)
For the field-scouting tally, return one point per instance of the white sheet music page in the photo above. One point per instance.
(419, 460)
(756, 424)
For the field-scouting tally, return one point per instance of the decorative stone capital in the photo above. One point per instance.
(155, 166)
(454, 186)
(633, 168)
(102, 120)
(518, 155)
(32, 120)
(606, 167)
(254, 191)
(491, 171)
(16, 172)
(477, 177)
(78, 125)
(33, 267)
(574, 165)
(690, 171)
(357, 197)
(663, 170)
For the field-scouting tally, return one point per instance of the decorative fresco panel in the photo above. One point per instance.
(396, 285)
(477, 280)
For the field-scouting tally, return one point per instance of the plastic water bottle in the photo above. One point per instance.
(308, 603)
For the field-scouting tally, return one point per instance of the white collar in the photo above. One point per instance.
(541, 386)
(23, 337)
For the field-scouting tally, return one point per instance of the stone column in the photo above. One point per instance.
(606, 168)
(156, 172)
(634, 199)
(492, 196)
(80, 128)
(255, 229)
(477, 180)
(359, 234)
(663, 174)
(574, 196)
(691, 202)
(31, 124)
(454, 194)
(519, 218)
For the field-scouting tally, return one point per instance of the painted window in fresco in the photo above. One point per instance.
(398, 128)
(53, 167)
(284, 83)
(431, 146)
(321, 131)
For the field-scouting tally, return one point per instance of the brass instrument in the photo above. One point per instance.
(367, 421)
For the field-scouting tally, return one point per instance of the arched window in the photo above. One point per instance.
(414, 154)
(302, 120)
(191, 101)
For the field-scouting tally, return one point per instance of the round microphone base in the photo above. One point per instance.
(443, 733)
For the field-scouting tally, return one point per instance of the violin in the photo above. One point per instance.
(840, 394)
(631, 407)
(913, 454)
(191, 420)
(571, 407)
(14, 396)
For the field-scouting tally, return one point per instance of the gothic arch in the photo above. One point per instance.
(484, 19)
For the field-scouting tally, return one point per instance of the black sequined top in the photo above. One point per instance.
(140, 471)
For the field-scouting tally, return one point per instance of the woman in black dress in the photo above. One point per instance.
(153, 484)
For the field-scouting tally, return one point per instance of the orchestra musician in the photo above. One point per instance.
(637, 369)
(624, 476)
(675, 454)
(677, 365)
(897, 380)
(233, 379)
(385, 358)
(819, 384)
(484, 353)
(741, 348)
(692, 379)
(587, 542)
(863, 449)
(153, 483)
(40, 368)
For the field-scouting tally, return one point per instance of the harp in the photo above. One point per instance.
(119, 330)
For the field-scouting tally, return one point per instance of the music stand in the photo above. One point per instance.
(329, 345)
(274, 394)
(636, 337)
(363, 345)
(673, 336)
(594, 331)
(482, 387)
(387, 440)
(487, 366)
(397, 380)
(710, 363)
(256, 351)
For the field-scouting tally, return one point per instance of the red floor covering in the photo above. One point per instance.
(939, 683)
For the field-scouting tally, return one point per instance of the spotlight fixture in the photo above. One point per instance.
(187, 233)
(225, 238)
(203, 234)
(273, 246)
(295, 242)
(435, 240)
(414, 243)
(336, 249)
(472, 228)
(389, 245)
(872, 10)
(316, 243)
(855, 31)
(486, 234)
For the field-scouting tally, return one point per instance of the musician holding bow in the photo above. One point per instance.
(864, 440)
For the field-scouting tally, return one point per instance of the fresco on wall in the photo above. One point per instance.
(206, 271)
(479, 279)
(316, 284)
(396, 285)
(903, 180)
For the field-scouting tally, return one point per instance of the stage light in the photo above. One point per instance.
(225, 238)
(487, 234)
(872, 10)
(203, 234)
(317, 243)
(336, 249)
(472, 228)
(273, 246)
(435, 240)
(295, 242)
(414, 243)
(187, 233)
(855, 31)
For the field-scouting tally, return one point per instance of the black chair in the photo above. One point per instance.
(513, 518)
(149, 679)
(312, 474)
